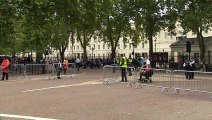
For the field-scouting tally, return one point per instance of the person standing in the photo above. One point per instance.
(65, 63)
(192, 63)
(58, 66)
(123, 64)
(130, 60)
(78, 61)
(187, 68)
(5, 68)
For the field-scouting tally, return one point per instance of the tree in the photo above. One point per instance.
(151, 16)
(114, 23)
(35, 18)
(8, 17)
(86, 25)
(200, 13)
(63, 14)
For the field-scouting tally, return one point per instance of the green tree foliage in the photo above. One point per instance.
(200, 13)
(151, 16)
(8, 18)
(86, 25)
(114, 22)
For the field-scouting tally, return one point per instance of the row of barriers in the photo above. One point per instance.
(166, 79)
(41, 71)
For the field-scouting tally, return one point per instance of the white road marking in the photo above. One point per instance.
(65, 86)
(24, 117)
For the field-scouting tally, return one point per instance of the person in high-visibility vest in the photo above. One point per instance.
(5, 68)
(130, 60)
(123, 64)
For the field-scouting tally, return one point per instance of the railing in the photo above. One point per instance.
(41, 71)
(196, 81)
(192, 81)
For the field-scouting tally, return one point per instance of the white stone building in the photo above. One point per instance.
(161, 43)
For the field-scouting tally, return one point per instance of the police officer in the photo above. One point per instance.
(123, 64)
(130, 60)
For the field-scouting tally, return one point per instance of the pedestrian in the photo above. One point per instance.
(204, 64)
(65, 65)
(192, 68)
(5, 68)
(78, 61)
(130, 64)
(187, 68)
(123, 64)
(58, 67)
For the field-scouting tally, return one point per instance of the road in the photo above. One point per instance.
(84, 97)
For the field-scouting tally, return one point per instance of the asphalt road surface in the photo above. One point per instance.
(84, 97)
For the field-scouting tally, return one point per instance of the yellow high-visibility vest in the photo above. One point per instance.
(125, 62)
(130, 60)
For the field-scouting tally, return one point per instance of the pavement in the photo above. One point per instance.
(85, 97)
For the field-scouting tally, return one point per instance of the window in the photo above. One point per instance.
(166, 34)
(103, 46)
(98, 47)
(130, 45)
(118, 46)
(77, 47)
(159, 35)
(94, 47)
(99, 55)
(74, 48)
(206, 30)
(142, 44)
(196, 57)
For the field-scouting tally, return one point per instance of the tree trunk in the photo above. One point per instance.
(201, 45)
(150, 46)
(62, 56)
(84, 53)
(113, 54)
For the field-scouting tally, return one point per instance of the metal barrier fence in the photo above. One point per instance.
(18, 70)
(41, 71)
(178, 79)
(153, 77)
(112, 74)
(192, 81)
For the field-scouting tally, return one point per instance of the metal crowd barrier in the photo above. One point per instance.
(17, 70)
(192, 81)
(41, 71)
(153, 77)
(68, 70)
(112, 74)
(196, 81)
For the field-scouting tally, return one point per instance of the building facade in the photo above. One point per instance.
(161, 43)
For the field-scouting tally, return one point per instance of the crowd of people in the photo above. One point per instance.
(122, 61)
